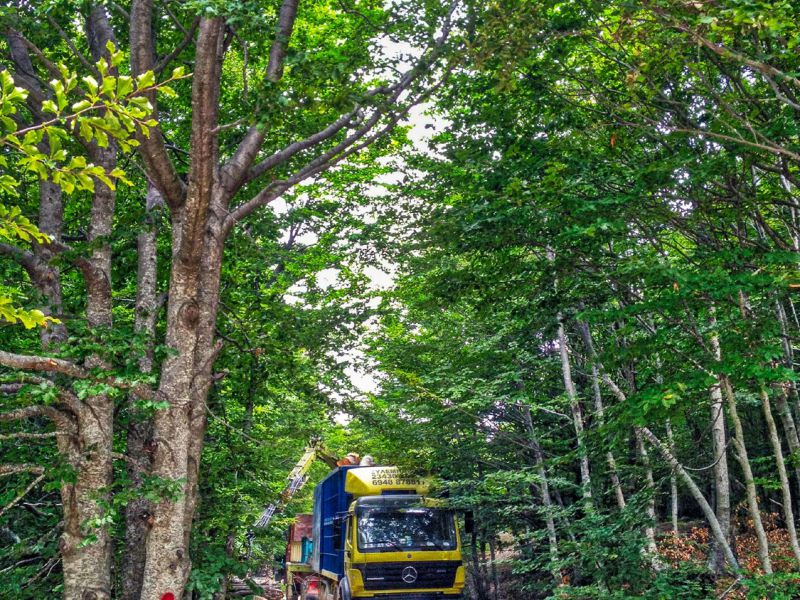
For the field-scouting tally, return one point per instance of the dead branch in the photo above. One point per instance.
(20, 468)
(21, 495)
(22, 435)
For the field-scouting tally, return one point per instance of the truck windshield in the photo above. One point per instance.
(400, 529)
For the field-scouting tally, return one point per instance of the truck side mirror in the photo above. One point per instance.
(469, 522)
(338, 532)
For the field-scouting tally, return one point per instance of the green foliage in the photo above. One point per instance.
(115, 109)
(627, 167)
(780, 586)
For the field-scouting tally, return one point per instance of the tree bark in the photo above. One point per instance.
(544, 490)
(789, 429)
(45, 277)
(191, 315)
(649, 530)
(722, 484)
(747, 473)
(711, 517)
(140, 428)
(599, 410)
(577, 415)
(673, 481)
(87, 566)
(722, 488)
(788, 513)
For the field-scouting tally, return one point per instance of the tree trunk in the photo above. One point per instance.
(789, 429)
(649, 530)
(493, 567)
(788, 513)
(711, 517)
(140, 427)
(577, 416)
(191, 316)
(45, 277)
(51, 216)
(747, 473)
(599, 410)
(670, 459)
(673, 481)
(722, 484)
(544, 490)
(478, 580)
(722, 490)
(86, 546)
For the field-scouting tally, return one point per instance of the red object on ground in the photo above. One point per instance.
(168, 596)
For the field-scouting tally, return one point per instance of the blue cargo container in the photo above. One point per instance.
(330, 500)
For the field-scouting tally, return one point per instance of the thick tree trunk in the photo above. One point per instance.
(140, 427)
(87, 566)
(86, 549)
(191, 316)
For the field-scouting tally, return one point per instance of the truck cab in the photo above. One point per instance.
(377, 535)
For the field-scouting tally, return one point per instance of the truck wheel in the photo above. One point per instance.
(344, 590)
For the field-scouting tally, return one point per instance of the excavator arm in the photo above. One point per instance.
(297, 478)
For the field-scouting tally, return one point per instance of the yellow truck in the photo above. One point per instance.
(375, 534)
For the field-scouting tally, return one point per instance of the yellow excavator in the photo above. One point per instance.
(297, 478)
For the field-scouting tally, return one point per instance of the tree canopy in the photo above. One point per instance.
(560, 238)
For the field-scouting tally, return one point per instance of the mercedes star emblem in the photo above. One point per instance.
(409, 574)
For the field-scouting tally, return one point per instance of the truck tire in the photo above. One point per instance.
(344, 590)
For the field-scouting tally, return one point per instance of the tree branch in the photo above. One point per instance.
(334, 156)
(281, 156)
(78, 54)
(277, 52)
(729, 138)
(20, 468)
(22, 494)
(152, 149)
(23, 257)
(234, 172)
(22, 435)
(27, 362)
(187, 38)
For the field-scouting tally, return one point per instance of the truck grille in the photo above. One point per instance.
(409, 575)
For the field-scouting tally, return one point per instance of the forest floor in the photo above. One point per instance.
(692, 546)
